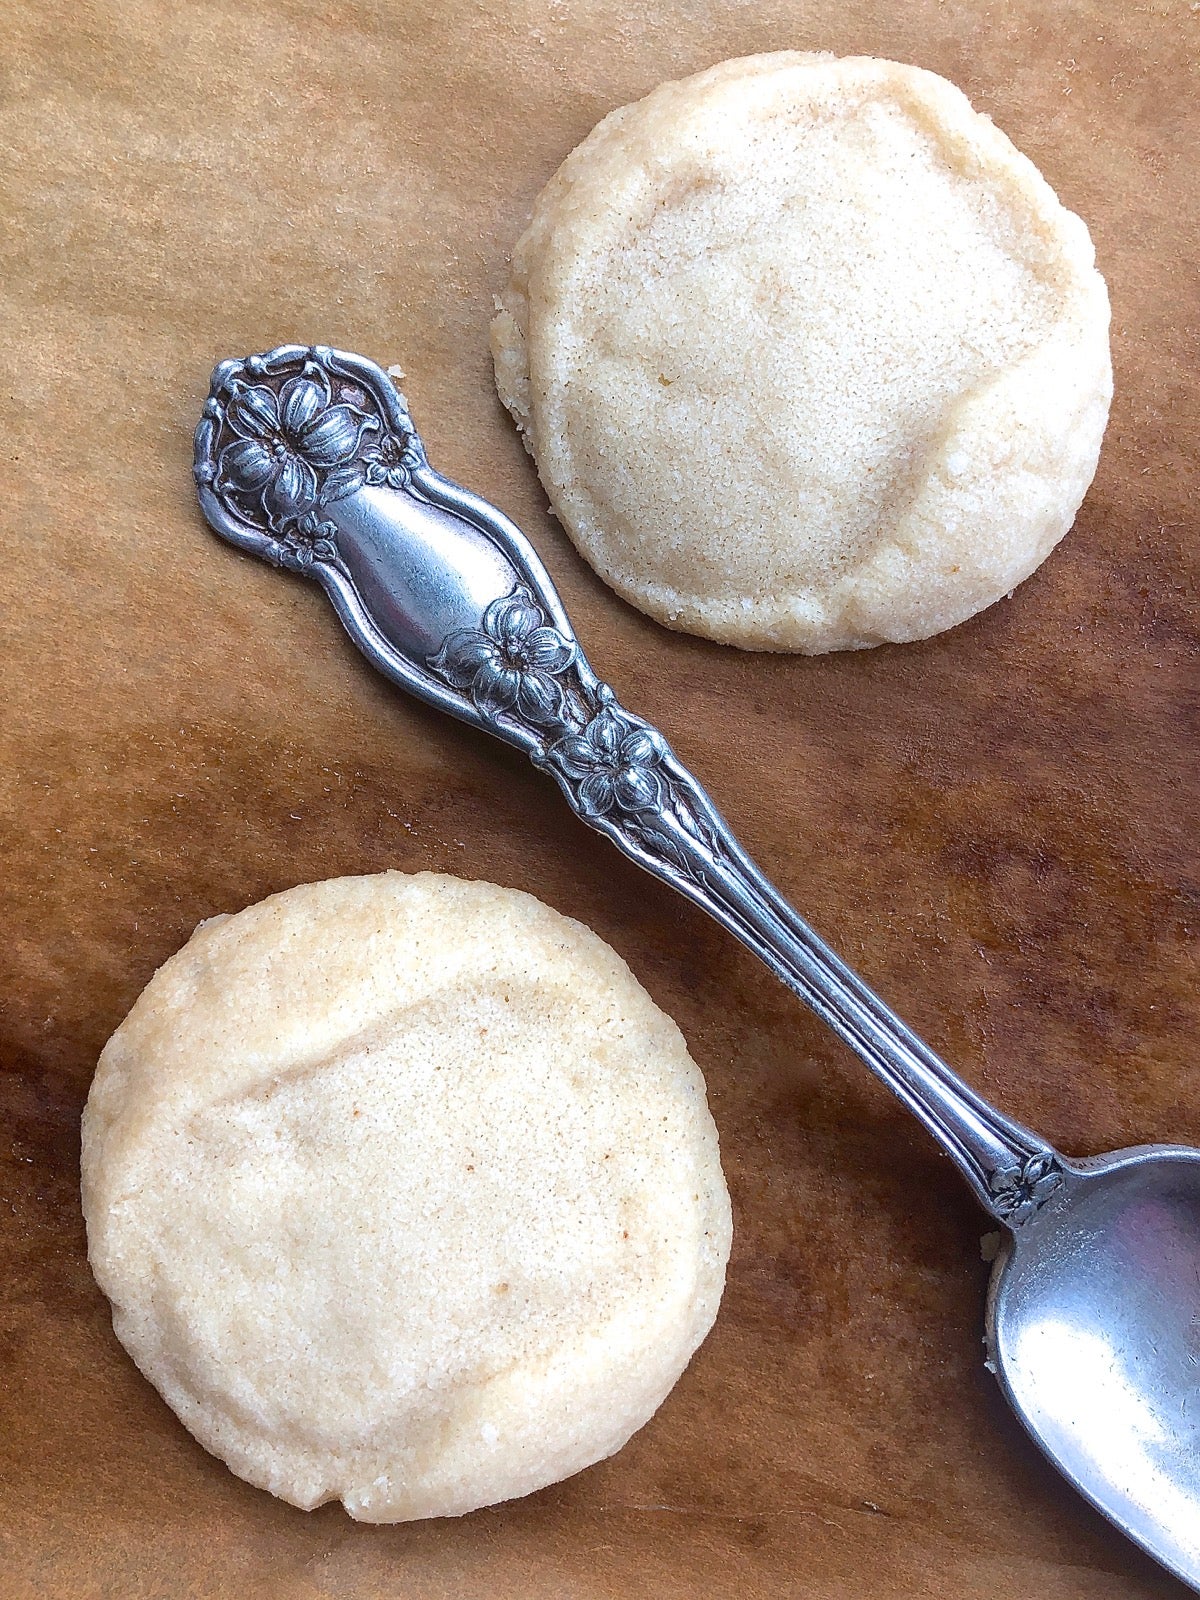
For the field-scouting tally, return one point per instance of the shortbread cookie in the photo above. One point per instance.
(809, 356)
(404, 1193)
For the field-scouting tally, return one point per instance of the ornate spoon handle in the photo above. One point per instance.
(308, 458)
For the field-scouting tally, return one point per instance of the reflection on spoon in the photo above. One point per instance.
(1095, 1325)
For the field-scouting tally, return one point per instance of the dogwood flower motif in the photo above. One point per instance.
(392, 463)
(291, 449)
(511, 663)
(615, 762)
(308, 539)
(1018, 1192)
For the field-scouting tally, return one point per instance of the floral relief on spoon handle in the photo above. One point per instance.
(308, 458)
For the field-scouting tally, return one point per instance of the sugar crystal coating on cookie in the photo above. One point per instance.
(809, 356)
(404, 1193)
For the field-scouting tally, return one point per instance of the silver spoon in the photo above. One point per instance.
(307, 457)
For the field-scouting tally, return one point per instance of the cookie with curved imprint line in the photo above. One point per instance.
(404, 1192)
(808, 355)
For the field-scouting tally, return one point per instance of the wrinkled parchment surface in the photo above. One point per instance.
(995, 826)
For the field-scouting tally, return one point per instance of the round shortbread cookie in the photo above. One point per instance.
(404, 1192)
(808, 355)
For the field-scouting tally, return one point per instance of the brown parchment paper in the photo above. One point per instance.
(996, 826)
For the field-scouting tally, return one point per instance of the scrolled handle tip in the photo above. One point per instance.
(288, 432)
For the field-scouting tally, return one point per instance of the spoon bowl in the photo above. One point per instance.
(1093, 1329)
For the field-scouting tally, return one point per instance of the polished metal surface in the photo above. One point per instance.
(1093, 1328)
(308, 458)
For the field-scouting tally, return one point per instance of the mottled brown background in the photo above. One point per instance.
(997, 826)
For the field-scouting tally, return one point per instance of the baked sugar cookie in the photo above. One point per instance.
(404, 1193)
(809, 356)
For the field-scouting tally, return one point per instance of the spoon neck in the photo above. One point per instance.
(1011, 1169)
(684, 840)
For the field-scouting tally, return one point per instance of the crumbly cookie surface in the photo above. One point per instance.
(808, 355)
(404, 1193)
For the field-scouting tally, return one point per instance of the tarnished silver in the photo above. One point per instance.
(307, 457)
